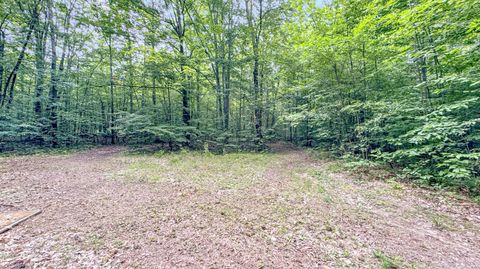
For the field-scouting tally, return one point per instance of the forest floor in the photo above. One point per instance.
(106, 208)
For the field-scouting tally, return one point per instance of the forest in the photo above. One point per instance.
(239, 133)
(394, 82)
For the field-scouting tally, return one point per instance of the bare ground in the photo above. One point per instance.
(105, 209)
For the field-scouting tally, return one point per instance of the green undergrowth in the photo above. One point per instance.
(393, 262)
(363, 169)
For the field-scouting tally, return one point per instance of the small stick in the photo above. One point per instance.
(8, 227)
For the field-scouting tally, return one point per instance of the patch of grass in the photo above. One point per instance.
(227, 212)
(95, 241)
(394, 184)
(66, 257)
(305, 185)
(283, 230)
(117, 243)
(205, 170)
(159, 153)
(176, 158)
(281, 210)
(308, 185)
(319, 174)
(45, 151)
(394, 262)
(142, 170)
(328, 199)
(387, 262)
(335, 167)
(320, 188)
(309, 180)
(442, 222)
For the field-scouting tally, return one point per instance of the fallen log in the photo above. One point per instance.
(11, 225)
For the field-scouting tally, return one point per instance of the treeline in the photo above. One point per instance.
(390, 81)
(181, 72)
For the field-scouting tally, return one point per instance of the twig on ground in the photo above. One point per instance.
(10, 226)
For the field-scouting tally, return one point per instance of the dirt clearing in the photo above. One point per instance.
(103, 208)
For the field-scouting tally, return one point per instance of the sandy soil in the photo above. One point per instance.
(101, 209)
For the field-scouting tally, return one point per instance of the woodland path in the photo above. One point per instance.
(103, 208)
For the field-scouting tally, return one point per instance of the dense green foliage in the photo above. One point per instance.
(391, 81)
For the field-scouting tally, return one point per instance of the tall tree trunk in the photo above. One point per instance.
(239, 120)
(218, 93)
(255, 35)
(154, 86)
(184, 90)
(53, 96)
(154, 91)
(40, 38)
(229, 40)
(226, 87)
(197, 96)
(169, 96)
(256, 90)
(12, 77)
(66, 63)
(2, 55)
(130, 73)
(178, 25)
(112, 109)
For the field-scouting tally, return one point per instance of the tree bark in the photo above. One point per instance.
(112, 108)
(255, 35)
(40, 38)
(52, 104)
(12, 77)
(2, 55)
